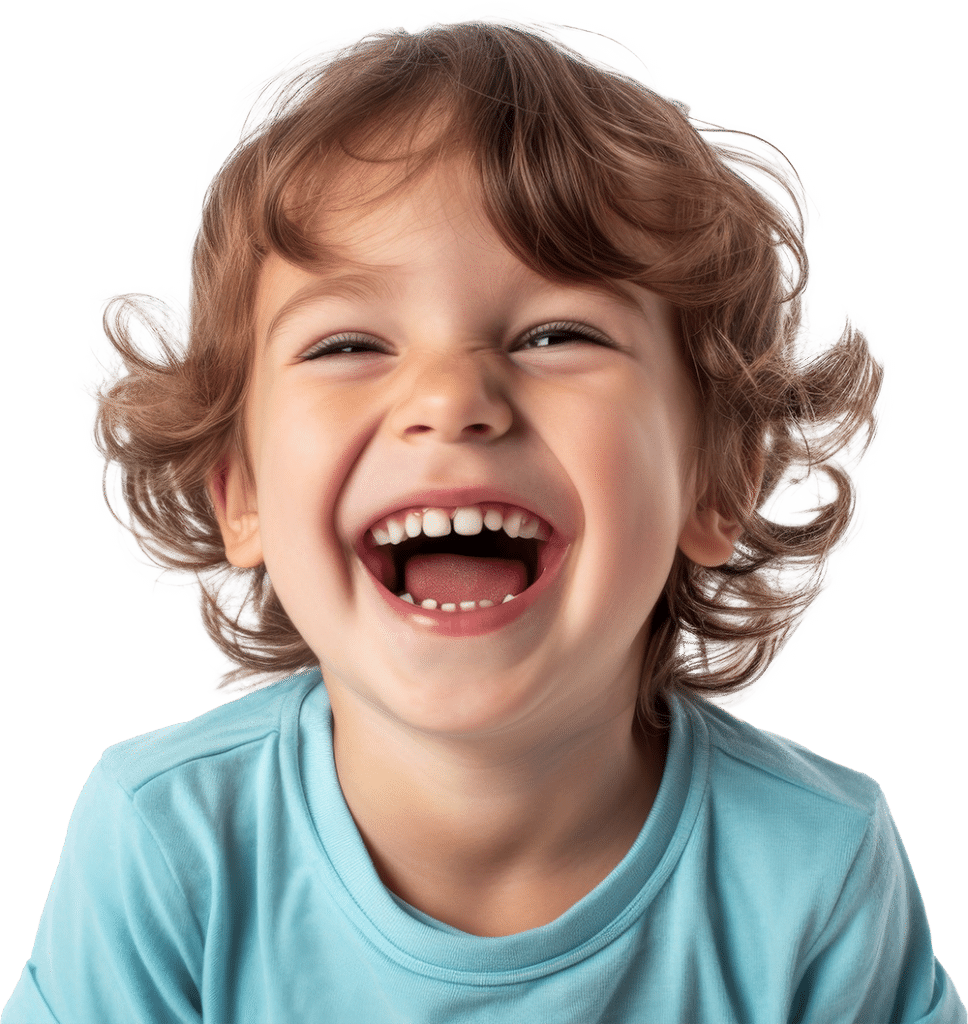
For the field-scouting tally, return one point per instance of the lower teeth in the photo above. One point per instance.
(450, 606)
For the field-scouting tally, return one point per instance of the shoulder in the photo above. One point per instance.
(796, 825)
(805, 851)
(241, 726)
(803, 873)
(778, 768)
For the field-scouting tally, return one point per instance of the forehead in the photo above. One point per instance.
(378, 229)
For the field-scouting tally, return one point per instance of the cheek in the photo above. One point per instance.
(628, 469)
(292, 452)
(296, 437)
(630, 450)
(635, 481)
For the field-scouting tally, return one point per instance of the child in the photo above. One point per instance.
(492, 371)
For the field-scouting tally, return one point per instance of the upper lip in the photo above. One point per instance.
(437, 497)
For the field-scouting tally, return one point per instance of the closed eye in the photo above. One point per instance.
(552, 335)
(343, 344)
(546, 336)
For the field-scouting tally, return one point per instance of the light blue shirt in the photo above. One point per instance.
(212, 872)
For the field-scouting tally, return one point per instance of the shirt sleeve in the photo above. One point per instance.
(117, 941)
(873, 962)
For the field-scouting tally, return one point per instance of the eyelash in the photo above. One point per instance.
(562, 329)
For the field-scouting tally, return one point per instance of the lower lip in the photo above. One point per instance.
(480, 621)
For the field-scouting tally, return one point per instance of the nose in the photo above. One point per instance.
(454, 398)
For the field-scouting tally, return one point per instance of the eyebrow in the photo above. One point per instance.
(367, 284)
(348, 284)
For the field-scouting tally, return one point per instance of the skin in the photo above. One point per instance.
(495, 779)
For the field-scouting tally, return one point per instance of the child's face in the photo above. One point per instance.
(447, 396)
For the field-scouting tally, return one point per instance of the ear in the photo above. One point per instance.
(708, 537)
(233, 497)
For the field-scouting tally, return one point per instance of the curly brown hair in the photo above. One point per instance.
(577, 165)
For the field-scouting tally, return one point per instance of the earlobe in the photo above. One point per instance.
(709, 537)
(234, 501)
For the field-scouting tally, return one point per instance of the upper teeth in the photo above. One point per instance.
(466, 520)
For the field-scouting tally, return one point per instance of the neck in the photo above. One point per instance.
(495, 839)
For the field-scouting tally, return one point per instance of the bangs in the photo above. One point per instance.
(586, 176)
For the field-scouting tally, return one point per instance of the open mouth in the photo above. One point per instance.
(484, 546)
(457, 559)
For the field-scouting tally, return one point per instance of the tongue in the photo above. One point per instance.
(455, 578)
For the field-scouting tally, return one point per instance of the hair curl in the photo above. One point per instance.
(578, 167)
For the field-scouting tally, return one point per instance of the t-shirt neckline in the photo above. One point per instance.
(433, 948)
